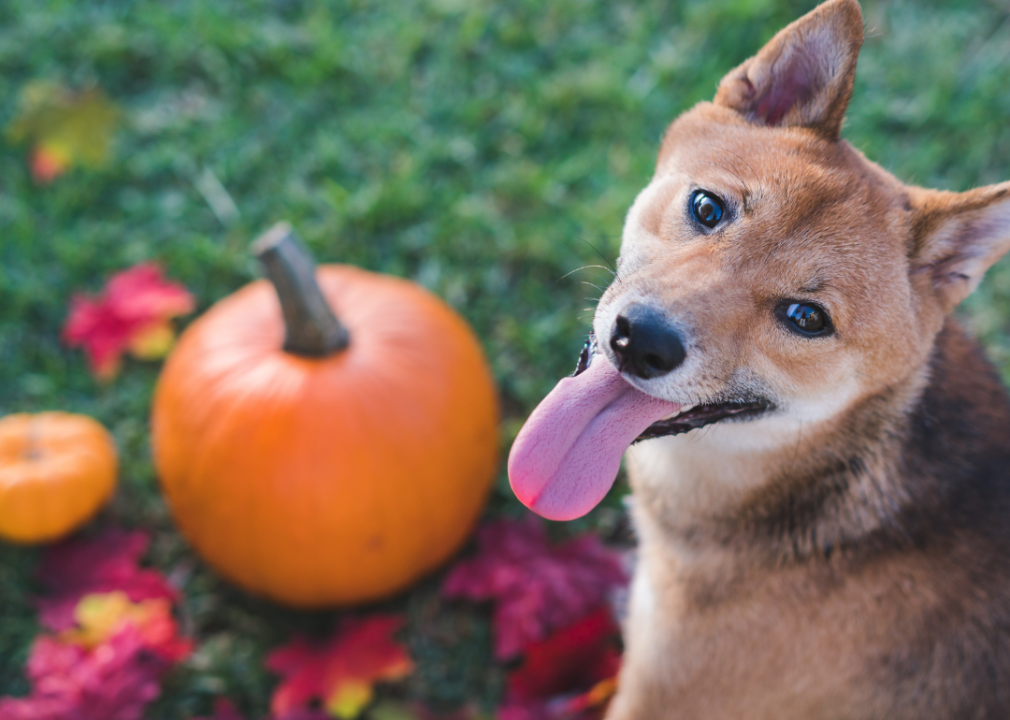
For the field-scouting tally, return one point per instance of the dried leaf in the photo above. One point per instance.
(48, 163)
(131, 314)
(340, 672)
(115, 644)
(115, 681)
(536, 587)
(100, 616)
(567, 674)
(102, 564)
(63, 127)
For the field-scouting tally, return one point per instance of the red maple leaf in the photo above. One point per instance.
(131, 314)
(567, 674)
(114, 681)
(100, 616)
(117, 636)
(536, 587)
(104, 563)
(341, 671)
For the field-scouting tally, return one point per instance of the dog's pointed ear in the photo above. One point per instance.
(803, 76)
(958, 236)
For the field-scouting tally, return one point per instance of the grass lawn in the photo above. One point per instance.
(484, 149)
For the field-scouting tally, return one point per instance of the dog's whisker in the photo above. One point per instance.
(587, 267)
(603, 257)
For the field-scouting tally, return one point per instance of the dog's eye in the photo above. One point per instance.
(806, 318)
(707, 208)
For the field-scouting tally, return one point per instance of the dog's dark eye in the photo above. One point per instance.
(807, 318)
(708, 209)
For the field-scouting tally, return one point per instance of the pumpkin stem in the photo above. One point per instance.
(33, 448)
(312, 327)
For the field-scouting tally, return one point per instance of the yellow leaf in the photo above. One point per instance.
(49, 162)
(100, 615)
(72, 127)
(349, 699)
(153, 342)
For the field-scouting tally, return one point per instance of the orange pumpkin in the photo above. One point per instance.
(323, 462)
(56, 471)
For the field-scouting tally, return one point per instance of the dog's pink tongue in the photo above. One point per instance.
(567, 455)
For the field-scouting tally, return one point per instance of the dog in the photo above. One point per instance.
(820, 457)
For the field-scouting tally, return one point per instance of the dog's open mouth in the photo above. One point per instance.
(568, 453)
(692, 417)
(689, 417)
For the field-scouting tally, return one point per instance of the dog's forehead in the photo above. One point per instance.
(808, 217)
(773, 164)
(789, 189)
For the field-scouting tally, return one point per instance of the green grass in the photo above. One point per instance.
(483, 149)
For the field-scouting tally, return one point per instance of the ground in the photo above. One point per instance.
(484, 149)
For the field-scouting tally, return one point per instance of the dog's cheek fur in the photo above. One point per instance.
(843, 596)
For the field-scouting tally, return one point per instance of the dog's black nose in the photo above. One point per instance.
(646, 344)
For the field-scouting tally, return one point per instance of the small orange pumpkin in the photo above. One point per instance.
(56, 471)
(320, 461)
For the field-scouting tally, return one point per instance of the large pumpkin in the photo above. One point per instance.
(318, 461)
(56, 471)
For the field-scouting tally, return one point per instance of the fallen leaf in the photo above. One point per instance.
(100, 616)
(153, 342)
(116, 680)
(536, 587)
(567, 674)
(341, 671)
(105, 563)
(117, 636)
(63, 128)
(47, 163)
(130, 315)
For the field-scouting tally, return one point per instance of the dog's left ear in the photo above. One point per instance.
(958, 236)
(803, 76)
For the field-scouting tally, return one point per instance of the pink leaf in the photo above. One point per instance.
(536, 587)
(115, 681)
(566, 674)
(132, 310)
(117, 633)
(573, 659)
(341, 671)
(143, 296)
(105, 563)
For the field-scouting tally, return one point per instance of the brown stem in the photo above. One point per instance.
(33, 445)
(312, 327)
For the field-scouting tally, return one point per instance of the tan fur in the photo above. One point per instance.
(794, 566)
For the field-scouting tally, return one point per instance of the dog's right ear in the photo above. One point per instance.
(803, 76)
(958, 236)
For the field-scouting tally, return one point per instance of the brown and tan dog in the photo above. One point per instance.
(835, 541)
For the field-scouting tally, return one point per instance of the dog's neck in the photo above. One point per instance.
(866, 480)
